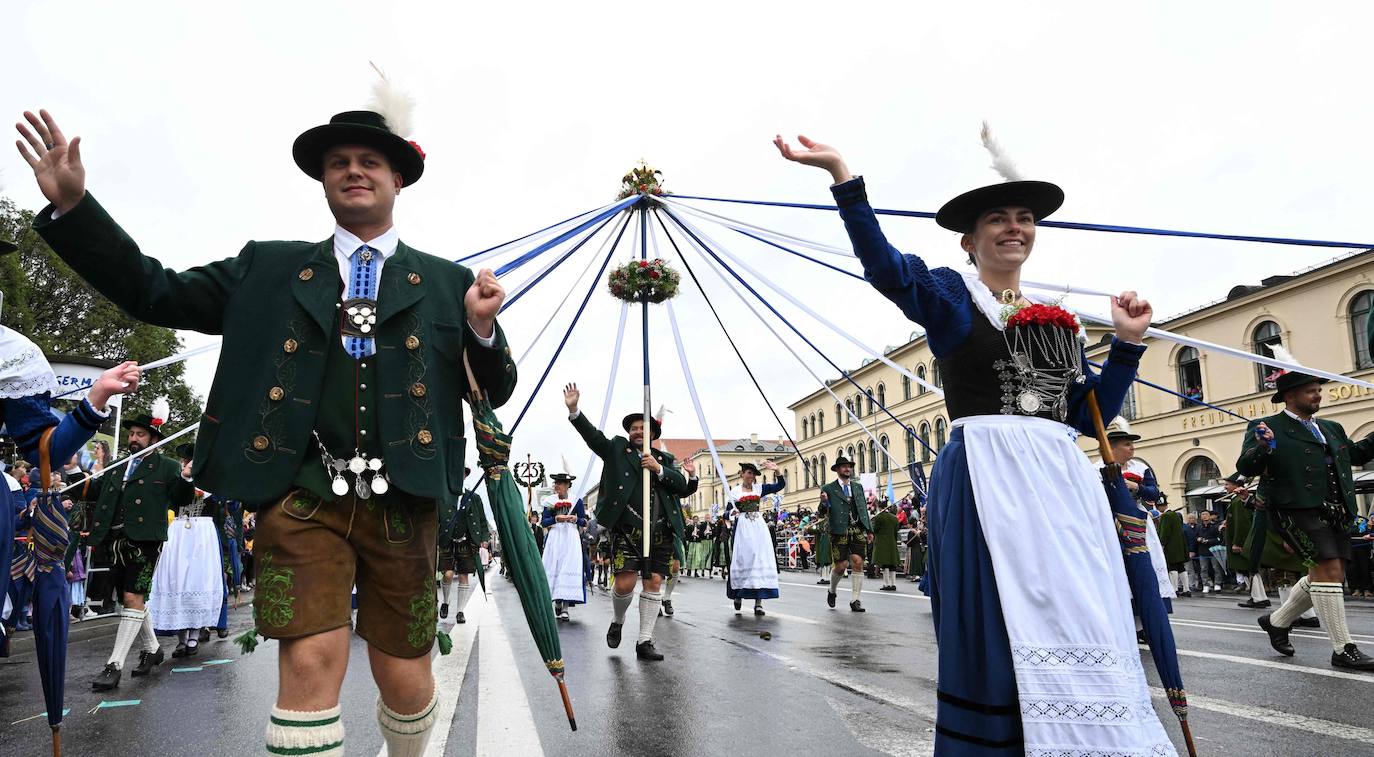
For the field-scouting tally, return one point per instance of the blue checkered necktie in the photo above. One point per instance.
(362, 283)
(1316, 432)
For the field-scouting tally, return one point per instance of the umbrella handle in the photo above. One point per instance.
(1103, 447)
(56, 742)
(1188, 738)
(472, 379)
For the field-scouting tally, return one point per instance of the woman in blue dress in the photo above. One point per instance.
(1032, 611)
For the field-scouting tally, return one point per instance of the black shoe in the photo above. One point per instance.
(644, 650)
(1278, 637)
(1253, 604)
(613, 635)
(564, 616)
(192, 650)
(830, 599)
(1352, 658)
(1140, 637)
(204, 636)
(180, 651)
(443, 610)
(1307, 623)
(459, 618)
(855, 606)
(108, 678)
(1185, 594)
(76, 612)
(146, 662)
(738, 605)
(668, 607)
(758, 610)
(223, 633)
(822, 582)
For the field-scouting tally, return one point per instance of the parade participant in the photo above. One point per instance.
(447, 542)
(1169, 527)
(564, 519)
(850, 531)
(885, 546)
(753, 558)
(1238, 521)
(1144, 488)
(1305, 483)
(618, 508)
(129, 524)
(721, 533)
(188, 589)
(698, 548)
(820, 527)
(676, 565)
(1015, 390)
(335, 410)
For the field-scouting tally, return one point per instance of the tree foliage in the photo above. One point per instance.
(47, 302)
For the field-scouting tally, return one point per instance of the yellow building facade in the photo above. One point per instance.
(1319, 315)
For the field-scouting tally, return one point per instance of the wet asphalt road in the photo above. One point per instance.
(826, 682)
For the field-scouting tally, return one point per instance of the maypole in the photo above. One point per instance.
(648, 408)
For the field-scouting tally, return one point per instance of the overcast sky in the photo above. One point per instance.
(1248, 118)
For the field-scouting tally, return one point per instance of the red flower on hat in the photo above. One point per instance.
(157, 422)
(416, 145)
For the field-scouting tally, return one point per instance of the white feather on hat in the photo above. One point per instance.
(160, 411)
(1123, 424)
(395, 106)
(566, 468)
(1281, 353)
(1001, 162)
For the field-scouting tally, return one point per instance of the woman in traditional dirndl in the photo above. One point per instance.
(563, 562)
(753, 556)
(188, 582)
(1037, 650)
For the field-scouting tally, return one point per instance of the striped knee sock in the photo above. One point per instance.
(1328, 599)
(407, 735)
(620, 603)
(1299, 601)
(318, 734)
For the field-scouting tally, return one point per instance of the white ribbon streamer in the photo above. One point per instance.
(721, 473)
(123, 460)
(610, 390)
(180, 356)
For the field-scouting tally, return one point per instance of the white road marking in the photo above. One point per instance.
(1217, 625)
(1279, 718)
(449, 672)
(1289, 667)
(844, 590)
(505, 724)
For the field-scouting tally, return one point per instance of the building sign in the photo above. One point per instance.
(77, 379)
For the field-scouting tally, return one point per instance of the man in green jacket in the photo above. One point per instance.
(1306, 486)
(336, 409)
(618, 508)
(850, 531)
(1169, 526)
(129, 527)
(885, 555)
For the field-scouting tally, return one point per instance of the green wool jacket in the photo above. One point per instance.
(838, 506)
(885, 539)
(1170, 530)
(1238, 522)
(1293, 473)
(276, 304)
(618, 500)
(155, 487)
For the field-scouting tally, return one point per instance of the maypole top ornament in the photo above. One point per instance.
(641, 180)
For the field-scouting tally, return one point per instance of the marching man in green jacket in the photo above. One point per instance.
(1304, 465)
(618, 509)
(850, 531)
(336, 408)
(129, 526)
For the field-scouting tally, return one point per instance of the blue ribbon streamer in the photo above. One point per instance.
(527, 287)
(1063, 225)
(521, 239)
(565, 236)
(1166, 390)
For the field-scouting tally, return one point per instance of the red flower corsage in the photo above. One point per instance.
(748, 499)
(416, 145)
(1046, 315)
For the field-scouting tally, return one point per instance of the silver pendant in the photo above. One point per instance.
(380, 485)
(357, 465)
(339, 487)
(365, 328)
(338, 465)
(375, 463)
(1028, 402)
(366, 255)
(362, 489)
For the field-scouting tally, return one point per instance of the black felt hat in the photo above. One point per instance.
(144, 421)
(961, 213)
(566, 478)
(187, 451)
(632, 417)
(749, 466)
(1292, 380)
(358, 127)
(1235, 478)
(1116, 435)
(841, 460)
(7, 247)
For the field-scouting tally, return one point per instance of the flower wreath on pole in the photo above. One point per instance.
(641, 180)
(631, 281)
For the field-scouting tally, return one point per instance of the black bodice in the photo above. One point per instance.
(980, 378)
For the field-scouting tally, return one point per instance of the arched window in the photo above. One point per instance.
(820, 423)
(910, 448)
(935, 372)
(1265, 337)
(869, 394)
(822, 471)
(803, 428)
(882, 396)
(882, 453)
(1359, 324)
(925, 442)
(1200, 472)
(906, 387)
(1189, 377)
(851, 455)
(921, 374)
(863, 459)
(1129, 409)
(839, 414)
(849, 408)
(816, 470)
(940, 428)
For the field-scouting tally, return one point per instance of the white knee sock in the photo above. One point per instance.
(317, 734)
(835, 576)
(407, 735)
(1298, 602)
(147, 640)
(668, 584)
(1257, 588)
(130, 621)
(620, 603)
(856, 585)
(649, 602)
(1173, 580)
(1328, 599)
(464, 594)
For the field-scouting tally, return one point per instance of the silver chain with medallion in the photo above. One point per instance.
(369, 478)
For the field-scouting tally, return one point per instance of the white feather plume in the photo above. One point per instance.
(1001, 162)
(1281, 353)
(392, 102)
(566, 468)
(160, 410)
(662, 411)
(1123, 424)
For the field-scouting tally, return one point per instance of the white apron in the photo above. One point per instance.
(188, 582)
(563, 560)
(753, 564)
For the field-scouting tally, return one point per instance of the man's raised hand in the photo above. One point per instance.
(56, 164)
(571, 394)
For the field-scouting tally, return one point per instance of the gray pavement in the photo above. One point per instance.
(724, 689)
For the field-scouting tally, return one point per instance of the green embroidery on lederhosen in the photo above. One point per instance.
(274, 603)
(144, 584)
(424, 611)
(1296, 538)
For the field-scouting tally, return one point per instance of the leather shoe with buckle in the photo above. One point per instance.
(644, 650)
(613, 635)
(1278, 637)
(108, 678)
(146, 662)
(1351, 658)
